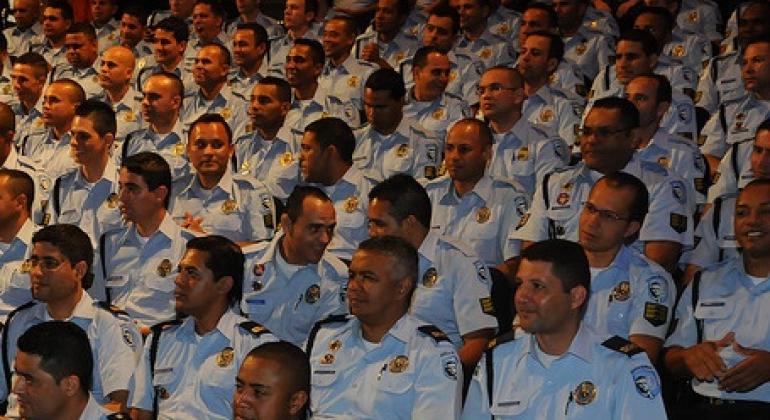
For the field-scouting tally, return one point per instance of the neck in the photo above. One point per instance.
(8, 233)
(207, 322)
(269, 133)
(530, 88)
(465, 186)
(149, 225)
(417, 236)
(250, 17)
(474, 33)
(558, 342)
(117, 93)
(73, 409)
(212, 90)
(93, 171)
(62, 309)
(170, 67)
(209, 181)
(756, 266)
(163, 127)
(387, 36)
(571, 30)
(59, 132)
(29, 103)
(505, 122)
(56, 42)
(298, 32)
(602, 259)
(763, 95)
(373, 330)
(287, 253)
(253, 68)
(336, 172)
(420, 96)
(646, 134)
(390, 130)
(305, 92)
(337, 61)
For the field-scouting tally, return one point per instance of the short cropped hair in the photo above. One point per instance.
(297, 199)
(257, 31)
(332, 131)
(80, 94)
(212, 118)
(549, 10)
(38, 63)
(64, 8)
(388, 80)
(443, 10)
(404, 255)
(20, 183)
(555, 44)
(485, 133)
(629, 115)
(63, 349)
(663, 91)
(176, 80)
(639, 205)
(316, 49)
(420, 58)
(649, 44)
(84, 28)
(72, 243)
(406, 197)
(568, 262)
(101, 115)
(177, 27)
(294, 363)
(224, 259)
(153, 169)
(283, 87)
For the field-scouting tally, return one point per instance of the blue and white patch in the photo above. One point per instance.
(679, 192)
(481, 271)
(684, 112)
(521, 206)
(658, 289)
(450, 365)
(646, 382)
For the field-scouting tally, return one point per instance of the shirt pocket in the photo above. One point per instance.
(158, 283)
(352, 219)
(70, 216)
(509, 404)
(397, 383)
(713, 309)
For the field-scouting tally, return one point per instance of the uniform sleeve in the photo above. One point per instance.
(118, 346)
(260, 207)
(477, 402)
(715, 142)
(141, 392)
(514, 213)
(438, 385)
(534, 225)
(706, 94)
(653, 305)
(638, 391)
(471, 297)
(669, 217)
(569, 119)
(707, 249)
(685, 332)
(726, 180)
(552, 154)
(281, 180)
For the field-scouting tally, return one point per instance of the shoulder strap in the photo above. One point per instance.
(433, 332)
(734, 160)
(621, 345)
(607, 78)
(715, 220)
(723, 118)
(56, 196)
(4, 343)
(546, 200)
(317, 326)
(124, 149)
(103, 259)
(489, 366)
(695, 297)
(254, 328)
(157, 329)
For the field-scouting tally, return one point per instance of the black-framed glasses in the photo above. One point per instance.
(600, 132)
(492, 88)
(603, 214)
(45, 263)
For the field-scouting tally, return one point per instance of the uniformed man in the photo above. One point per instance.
(467, 203)
(427, 102)
(250, 59)
(477, 40)
(631, 296)
(249, 12)
(103, 13)
(51, 148)
(80, 44)
(651, 94)
(268, 149)
(87, 196)
(326, 160)
(299, 19)
(554, 364)
(383, 361)
(162, 96)
(132, 31)
(28, 76)
(693, 16)
(17, 191)
(279, 370)
(389, 42)
(736, 120)
(208, 18)
(115, 71)
(715, 239)
(26, 15)
(608, 144)
(213, 200)
(304, 64)
(454, 286)
(53, 369)
(181, 9)
(60, 269)
(136, 260)
(57, 19)
(170, 37)
(292, 282)
(188, 365)
(392, 143)
(546, 106)
(212, 94)
(719, 344)
(521, 152)
(637, 54)
(344, 75)
(585, 46)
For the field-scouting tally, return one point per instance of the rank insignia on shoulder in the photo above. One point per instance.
(678, 222)
(655, 313)
(254, 328)
(622, 345)
(434, 332)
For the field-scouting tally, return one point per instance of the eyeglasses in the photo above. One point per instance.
(493, 88)
(45, 263)
(608, 215)
(600, 132)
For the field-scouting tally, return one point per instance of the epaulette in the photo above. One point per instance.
(454, 96)
(237, 94)
(333, 319)
(622, 345)
(118, 416)
(502, 339)
(243, 180)
(254, 328)
(255, 247)
(368, 63)
(23, 307)
(111, 309)
(163, 326)
(438, 183)
(434, 332)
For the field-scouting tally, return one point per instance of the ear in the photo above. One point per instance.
(108, 139)
(518, 95)
(297, 402)
(70, 385)
(662, 109)
(161, 192)
(552, 65)
(285, 223)
(81, 268)
(224, 285)
(654, 59)
(21, 201)
(635, 140)
(577, 297)
(285, 108)
(632, 229)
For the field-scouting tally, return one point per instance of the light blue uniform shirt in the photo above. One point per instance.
(14, 279)
(53, 55)
(274, 161)
(305, 111)
(438, 115)
(633, 295)
(488, 50)
(680, 156)
(589, 50)
(50, 154)
(729, 301)
(114, 339)
(408, 374)
(172, 146)
(738, 122)
(720, 81)
(290, 299)
(405, 44)
(715, 234)
(464, 76)
(280, 46)
(626, 387)
(409, 149)
(195, 374)
(453, 288)
(28, 121)
(127, 111)
(554, 112)
(484, 217)
(108, 35)
(734, 170)
(346, 83)
(132, 274)
(232, 107)
(242, 84)
(21, 40)
(87, 78)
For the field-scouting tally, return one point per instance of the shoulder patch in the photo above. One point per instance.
(434, 332)
(253, 328)
(621, 345)
(333, 319)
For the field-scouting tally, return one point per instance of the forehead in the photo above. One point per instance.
(644, 85)
(127, 177)
(316, 210)
(379, 97)
(437, 60)
(537, 41)
(296, 3)
(630, 47)
(202, 8)
(464, 134)
(270, 91)
(602, 116)
(59, 90)
(158, 84)
(309, 138)
(754, 195)
(195, 258)
(609, 196)
(212, 52)
(529, 270)
(209, 131)
(52, 12)
(370, 260)
(380, 209)
(244, 34)
(440, 21)
(82, 123)
(336, 25)
(131, 19)
(495, 76)
(762, 138)
(24, 69)
(164, 34)
(300, 51)
(758, 48)
(649, 19)
(45, 249)
(755, 11)
(537, 15)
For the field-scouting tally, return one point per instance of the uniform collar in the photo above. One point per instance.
(402, 330)
(12, 160)
(84, 309)
(344, 68)
(24, 235)
(622, 260)
(402, 130)
(167, 228)
(225, 184)
(482, 189)
(429, 246)
(581, 345)
(35, 29)
(110, 174)
(225, 326)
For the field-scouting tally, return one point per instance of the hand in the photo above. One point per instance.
(703, 360)
(750, 373)
(193, 223)
(371, 52)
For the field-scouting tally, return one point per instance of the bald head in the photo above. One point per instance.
(116, 68)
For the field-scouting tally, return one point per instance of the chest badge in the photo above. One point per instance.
(399, 364)
(112, 200)
(351, 204)
(228, 207)
(164, 268)
(225, 357)
(621, 292)
(430, 277)
(584, 393)
(483, 214)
